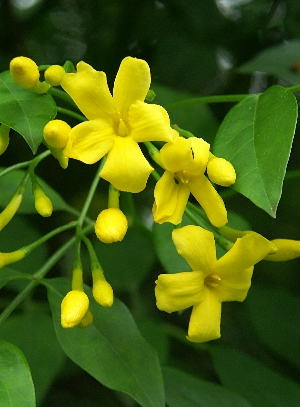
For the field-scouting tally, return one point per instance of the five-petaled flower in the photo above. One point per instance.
(212, 281)
(185, 161)
(116, 123)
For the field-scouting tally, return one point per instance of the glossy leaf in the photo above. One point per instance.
(262, 386)
(16, 386)
(275, 315)
(33, 333)
(185, 390)
(9, 184)
(256, 137)
(280, 60)
(25, 111)
(112, 349)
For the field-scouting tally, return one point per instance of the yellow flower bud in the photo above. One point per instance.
(103, 293)
(54, 75)
(221, 172)
(87, 320)
(56, 133)
(74, 307)
(4, 138)
(42, 202)
(12, 257)
(8, 213)
(287, 250)
(111, 225)
(24, 72)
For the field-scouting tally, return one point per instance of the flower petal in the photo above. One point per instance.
(205, 319)
(89, 90)
(175, 292)
(89, 141)
(245, 253)
(209, 199)
(197, 246)
(182, 154)
(131, 84)
(126, 168)
(234, 287)
(149, 123)
(170, 199)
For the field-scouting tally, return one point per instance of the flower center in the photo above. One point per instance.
(213, 280)
(183, 176)
(122, 129)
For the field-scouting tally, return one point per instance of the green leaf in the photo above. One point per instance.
(16, 387)
(33, 333)
(185, 390)
(7, 275)
(256, 137)
(9, 184)
(275, 314)
(259, 384)
(25, 111)
(112, 349)
(280, 60)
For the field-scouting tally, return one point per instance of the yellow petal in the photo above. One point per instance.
(205, 319)
(149, 123)
(209, 199)
(286, 250)
(182, 154)
(175, 292)
(126, 168)
(245, 253)
(89, 90)
(234, 287)
(90, 141)
(131, 84)
(197, 246)
(170, 199)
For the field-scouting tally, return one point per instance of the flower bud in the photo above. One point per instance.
(56, 133)
(221, 172)
(8, 213)
(87, 320)
(103, 293)
(54, 75)
(42, 202)
(287, 250)
(24, 72)
(111, 225)
(4, 138)
(74, 307)
(12, 257)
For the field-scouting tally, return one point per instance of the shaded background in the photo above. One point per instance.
(193, 49)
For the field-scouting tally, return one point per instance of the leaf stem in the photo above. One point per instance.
(70, 113)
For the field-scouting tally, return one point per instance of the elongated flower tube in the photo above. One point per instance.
(185, 161)
(116, 123)
(12, 257)
(286, 250)
(212, 281)
(74, 307)
(4, 138)
(9, 212)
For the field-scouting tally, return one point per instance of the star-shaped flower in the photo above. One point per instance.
(212, 281)
(185, 161)
(116, 123)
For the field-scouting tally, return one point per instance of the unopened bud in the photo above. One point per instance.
(56, 133)
(42, 202)
(103, 293)
(54, 75)
(24, 72)
(9, 212)
(87, 320)
(111, 225)
(12, 257)
(287, 250)
(74, 307)
(4, 138)
(221, 172)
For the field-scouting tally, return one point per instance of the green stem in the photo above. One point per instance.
(61, 95)
(294, 89)
(95, 264)
(25, 164)
(70, 113)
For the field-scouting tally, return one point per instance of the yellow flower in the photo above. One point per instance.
(25, 72)
(185, 161)
(116, 123)
(74, 307)
(212, 281)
